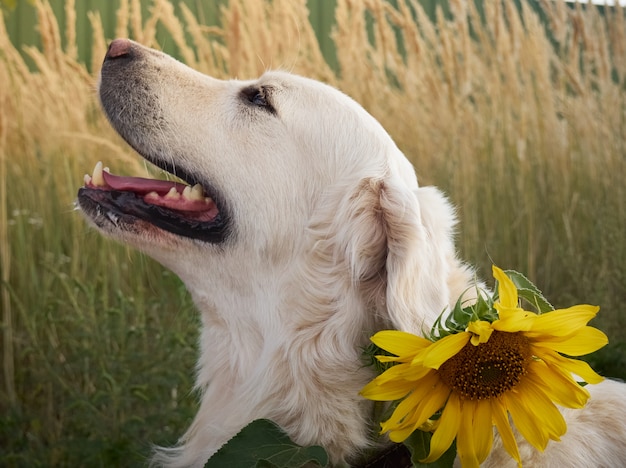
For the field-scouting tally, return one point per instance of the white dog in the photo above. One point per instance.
(305, 232)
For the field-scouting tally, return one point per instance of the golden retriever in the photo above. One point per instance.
(302, 232)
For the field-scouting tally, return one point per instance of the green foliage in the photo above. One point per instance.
(8, 4)
(527, 291)
(369, 358)
(11, 4)
(483, 308)
(263, 444)
(104, 339)
(102, 374)
(419, 445)
(460, 316)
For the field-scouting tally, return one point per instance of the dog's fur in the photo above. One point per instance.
(329, 239)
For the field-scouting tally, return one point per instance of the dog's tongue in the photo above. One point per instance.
(172, 195)
(140, 185)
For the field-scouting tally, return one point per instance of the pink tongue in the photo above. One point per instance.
(140, 185)
(200, 210)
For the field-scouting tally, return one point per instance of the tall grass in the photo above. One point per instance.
(522, 122)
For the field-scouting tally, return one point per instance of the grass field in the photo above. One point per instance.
(521, 121)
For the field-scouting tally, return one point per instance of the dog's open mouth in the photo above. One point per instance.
(184, 210)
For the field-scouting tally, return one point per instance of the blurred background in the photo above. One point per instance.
(516, 109)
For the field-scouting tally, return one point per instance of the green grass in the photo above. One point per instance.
(104, 343)
(99, 342)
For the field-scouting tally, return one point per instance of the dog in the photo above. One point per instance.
(302, 231)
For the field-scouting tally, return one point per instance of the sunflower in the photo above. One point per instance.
(476, 378)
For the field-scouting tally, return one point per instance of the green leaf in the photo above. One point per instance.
(263, 444)
(265, 464)
(419, 446)
(483, 309)
(369, 358)
(529, 292)
(480, 308)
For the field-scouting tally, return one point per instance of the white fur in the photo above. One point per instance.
(332, 240)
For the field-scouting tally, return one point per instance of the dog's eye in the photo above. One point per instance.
(257, 96)
(259, 99)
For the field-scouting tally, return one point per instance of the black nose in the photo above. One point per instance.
(118, 48)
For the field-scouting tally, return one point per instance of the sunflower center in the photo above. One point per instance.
(488, 369)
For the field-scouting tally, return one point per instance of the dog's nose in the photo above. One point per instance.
(118, 48)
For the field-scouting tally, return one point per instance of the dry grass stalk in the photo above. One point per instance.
(136, 23)
(121, 19)
(203, 47)
(175, 28)
(489, 91)
(98, 45)
(281, 37)
(70, 30)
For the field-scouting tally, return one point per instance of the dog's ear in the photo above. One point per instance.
(420, 256)
(400, 249)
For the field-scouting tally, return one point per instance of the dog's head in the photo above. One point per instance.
(278, 165)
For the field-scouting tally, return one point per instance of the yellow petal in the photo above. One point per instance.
(442, 350)
(465, 438)
(575, 366)
(563, 321)
(385, 358)
(501, 420)
(585, 341)
(535, 416)
(447, 430)
(429, 404)
(524, 421)
(417, 372)
(400, 435)
(388, 391)
(400, 343)
(548, 414)
(402, 415)
(506, 289)
(409, 411)
(513, 320)
(481, 331)
(559, 386)
(400, 359)
(483, 430)
(403, 371)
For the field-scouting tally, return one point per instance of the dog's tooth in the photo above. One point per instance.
(97, 179)
(87, 179)
(197, 193)
(187, 192)
(152, 195)
(172, 194)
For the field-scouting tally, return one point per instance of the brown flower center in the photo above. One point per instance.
(488, 369)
